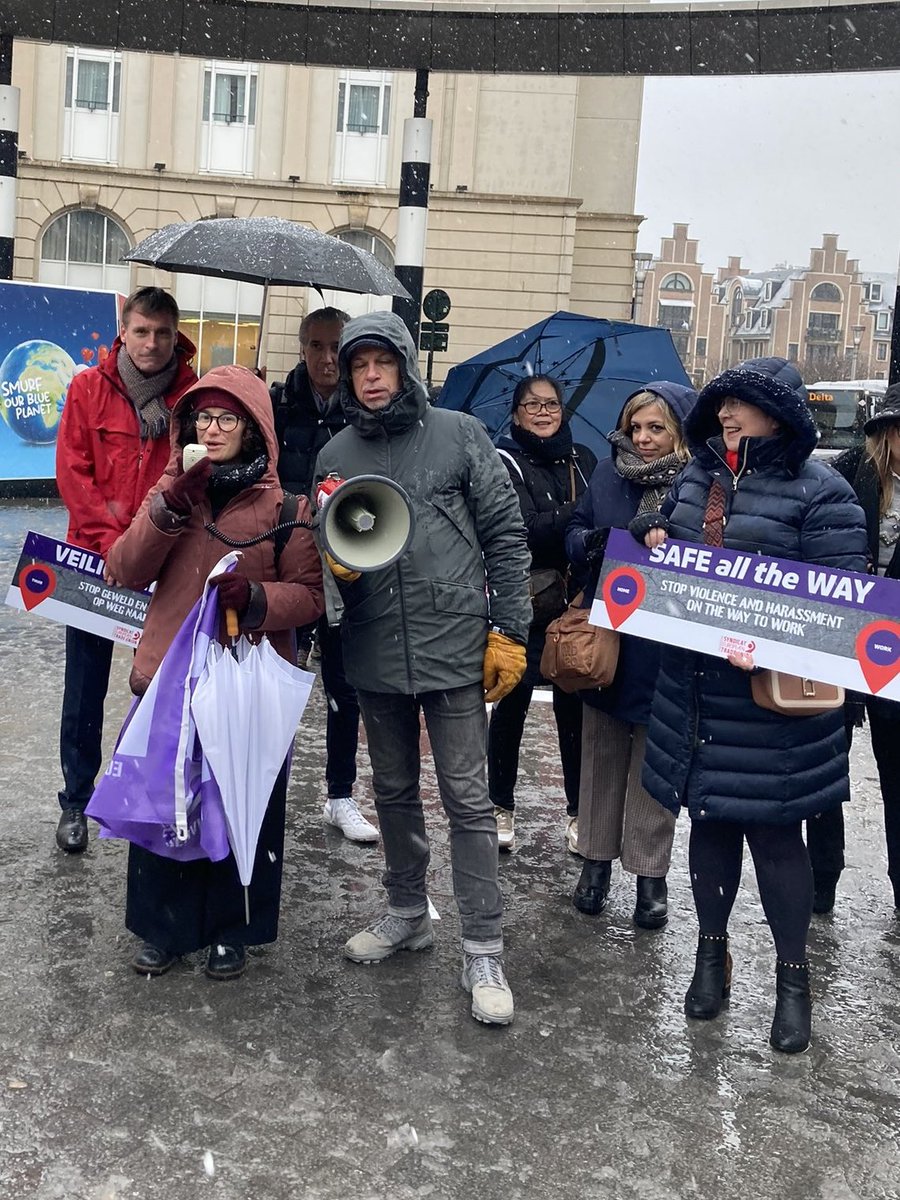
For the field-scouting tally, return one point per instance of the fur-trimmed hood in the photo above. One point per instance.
(773, 385)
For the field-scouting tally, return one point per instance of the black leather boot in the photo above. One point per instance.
(711, 984)
(592, 889)
(825, 887)
(150, 960)
(792, 1025)
(652, 909)
(72, 831)
(226, 962)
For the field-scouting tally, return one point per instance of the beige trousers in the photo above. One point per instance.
(617, 818)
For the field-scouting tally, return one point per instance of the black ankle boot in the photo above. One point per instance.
(652, 909)
(712, 978)
(791, 1027)
(825, 887)
(592, 889)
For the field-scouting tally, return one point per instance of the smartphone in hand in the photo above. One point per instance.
(192, 454)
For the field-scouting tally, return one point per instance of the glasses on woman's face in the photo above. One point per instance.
(533, 407)
(226, 421)
(729, 404)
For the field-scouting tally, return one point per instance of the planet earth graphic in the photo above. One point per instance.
(34, 377)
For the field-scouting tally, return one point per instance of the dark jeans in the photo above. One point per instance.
(884, 727)
(342, 721)
(88, 661)
(782, 873)
(507, 726)
(456, 730)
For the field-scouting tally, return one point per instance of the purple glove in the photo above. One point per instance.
(189, 488)
(234, 590)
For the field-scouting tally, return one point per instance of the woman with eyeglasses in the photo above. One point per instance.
(549, 475)
(618, 819)
(743, 772)
(873, 471)
(176, 908)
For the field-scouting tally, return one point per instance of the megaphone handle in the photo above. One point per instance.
(232, 625)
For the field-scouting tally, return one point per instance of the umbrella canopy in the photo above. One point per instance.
(247, 707)
(266, 250)
(598, 363)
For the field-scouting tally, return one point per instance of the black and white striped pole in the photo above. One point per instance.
(9, 157)
(412, 215)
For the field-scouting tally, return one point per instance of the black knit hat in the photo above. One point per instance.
(887, 410)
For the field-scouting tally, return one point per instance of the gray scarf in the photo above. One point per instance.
(654, 477)
(147, 393)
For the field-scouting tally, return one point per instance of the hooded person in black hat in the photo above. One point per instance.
(746, 773)
(873, 471)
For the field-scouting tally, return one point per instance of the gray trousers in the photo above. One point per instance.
(617, 818)
(455, 720)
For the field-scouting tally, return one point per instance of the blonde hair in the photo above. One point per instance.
(878, 450)
(670, 420)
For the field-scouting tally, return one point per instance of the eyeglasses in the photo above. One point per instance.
(226, 421)
(533, 407)
(729, 404)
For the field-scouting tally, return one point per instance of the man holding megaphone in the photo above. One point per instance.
(426, 541)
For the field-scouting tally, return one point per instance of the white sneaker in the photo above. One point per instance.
(387, 935)
(492, 1000)
(343, 812)
(506, 828)
(572, 835)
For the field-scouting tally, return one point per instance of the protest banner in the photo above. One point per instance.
(65, 583)
(818, 622)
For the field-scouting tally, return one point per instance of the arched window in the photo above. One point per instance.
(826, 291)
(365, 240)
(350, 302)
(737, 306)
(676, 283)
(84, 248)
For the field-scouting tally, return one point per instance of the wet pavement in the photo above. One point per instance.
(316, 1078)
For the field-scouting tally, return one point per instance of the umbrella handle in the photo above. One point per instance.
(232, 625)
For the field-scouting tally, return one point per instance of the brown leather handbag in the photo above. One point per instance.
(794, 696)
(579, 655)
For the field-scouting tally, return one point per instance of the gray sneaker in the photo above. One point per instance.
(492, 1000)
(387, 935)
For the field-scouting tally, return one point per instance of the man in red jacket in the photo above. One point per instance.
(113, 446)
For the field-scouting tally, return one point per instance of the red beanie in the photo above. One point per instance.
(216, 398)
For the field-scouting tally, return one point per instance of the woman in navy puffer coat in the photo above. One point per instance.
(744, 772)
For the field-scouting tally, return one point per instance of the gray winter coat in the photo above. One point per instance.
(421, 624)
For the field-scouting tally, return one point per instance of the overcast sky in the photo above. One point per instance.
(763, 166)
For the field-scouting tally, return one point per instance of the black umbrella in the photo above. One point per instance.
(267, 251)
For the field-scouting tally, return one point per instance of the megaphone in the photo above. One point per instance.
(366, 522)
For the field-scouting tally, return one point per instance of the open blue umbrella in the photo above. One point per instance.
(599, 364)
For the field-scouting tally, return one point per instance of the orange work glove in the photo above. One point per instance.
(504, 666)
(343, 574)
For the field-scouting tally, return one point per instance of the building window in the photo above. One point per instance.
(676, 283)
(737, 306)
(881, 351)
(872, 293)
(701, 347)
(793, 351)
(221, 317)
(362, 127)
(228, 125)
(350, 302)
(91, 117)
(827, 292)
(824, 327)
(84, 248)
(765, 317)
(882, 321)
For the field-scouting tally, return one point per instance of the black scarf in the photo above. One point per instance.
(547, 449)
(228, 479)
(654, 477)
